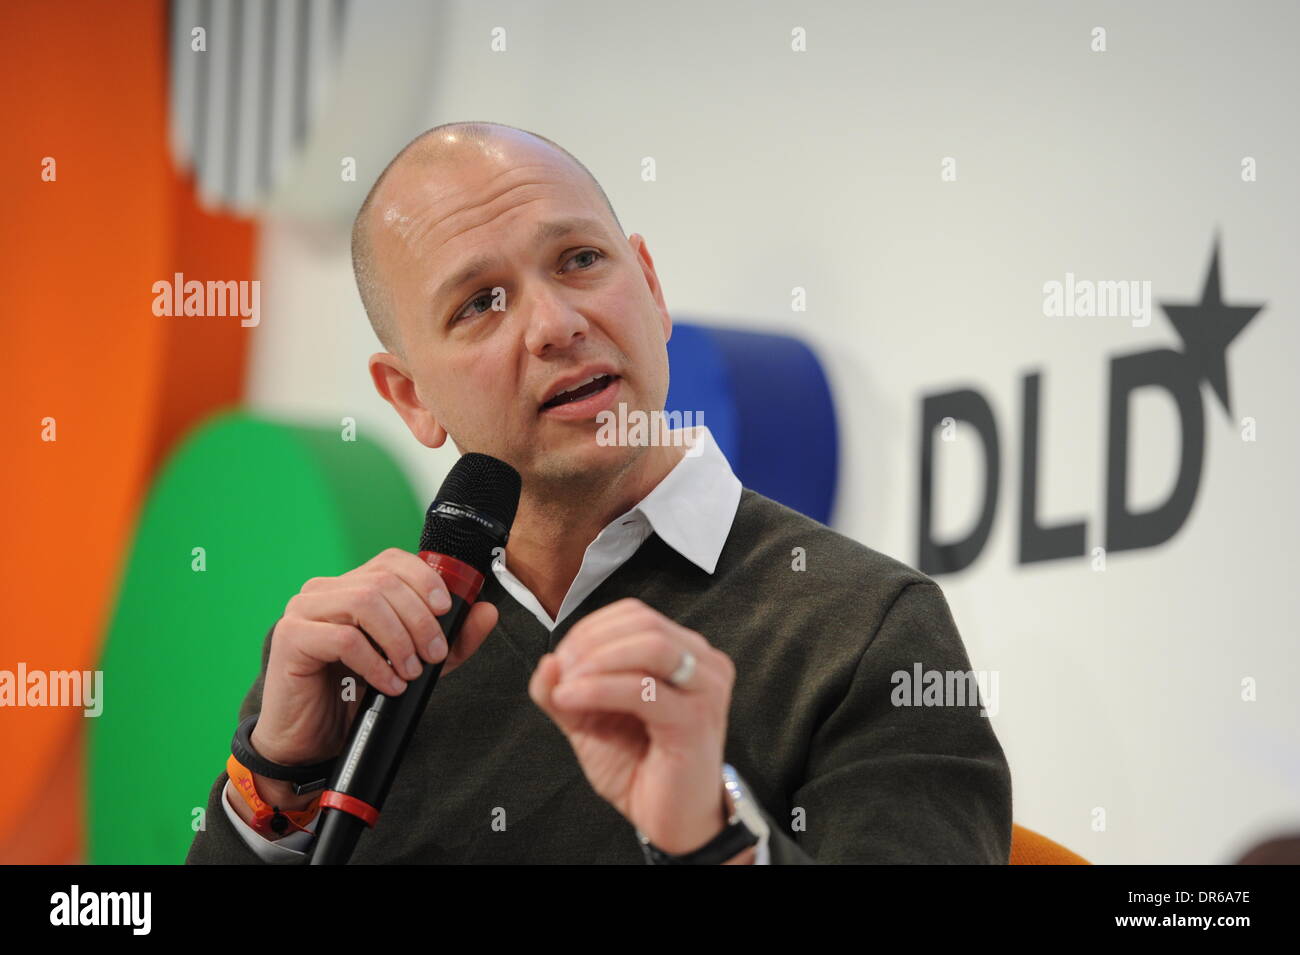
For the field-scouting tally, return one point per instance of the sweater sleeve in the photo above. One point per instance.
(220, 843)
(890, 781)
(290, 849)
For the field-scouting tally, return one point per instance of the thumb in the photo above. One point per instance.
(541, 684)
(478, 624)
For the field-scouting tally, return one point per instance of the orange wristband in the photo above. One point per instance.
(269, 821)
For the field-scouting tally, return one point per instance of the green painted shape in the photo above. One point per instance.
(272, 505)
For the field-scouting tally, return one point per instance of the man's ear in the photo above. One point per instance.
(395, 385)
(642, 253)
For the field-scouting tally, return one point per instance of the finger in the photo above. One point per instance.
(654, 704)
(422, 578)
(367, 609)
(625, 617)
(415, 614)
(599, 617)
(541, 687)
(325, 642)
(647, 652)
(543, 680)
(600, 625)
(480, 621)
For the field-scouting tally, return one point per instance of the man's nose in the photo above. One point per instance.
(552, 323)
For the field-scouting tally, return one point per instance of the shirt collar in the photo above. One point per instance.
(693, 507)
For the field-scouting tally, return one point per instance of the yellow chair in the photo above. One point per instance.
(1031, 848)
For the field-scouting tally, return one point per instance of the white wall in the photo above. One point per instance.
(1118, 689)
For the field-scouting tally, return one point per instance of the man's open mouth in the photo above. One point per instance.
(581, 390)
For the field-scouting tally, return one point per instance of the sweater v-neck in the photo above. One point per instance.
(529, 638)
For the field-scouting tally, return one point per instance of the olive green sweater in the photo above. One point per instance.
(843, 774)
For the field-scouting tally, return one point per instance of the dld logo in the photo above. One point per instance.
(1206, 328)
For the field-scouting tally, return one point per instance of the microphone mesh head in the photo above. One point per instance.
(481, 483)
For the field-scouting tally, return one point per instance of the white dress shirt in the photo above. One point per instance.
(691, 509)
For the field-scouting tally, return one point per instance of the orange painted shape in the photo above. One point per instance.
(86, 86)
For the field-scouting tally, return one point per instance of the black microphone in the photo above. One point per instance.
(467, 521)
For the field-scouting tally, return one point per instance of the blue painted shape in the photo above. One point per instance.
(698, 382)
(768, 403)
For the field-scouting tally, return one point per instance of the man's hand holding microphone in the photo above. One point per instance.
(321, 641)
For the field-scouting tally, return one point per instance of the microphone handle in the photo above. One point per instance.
(376, 744)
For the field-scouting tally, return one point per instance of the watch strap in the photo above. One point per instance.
(745, 827)
(726, 845)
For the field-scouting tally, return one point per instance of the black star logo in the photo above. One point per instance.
(1208, 327)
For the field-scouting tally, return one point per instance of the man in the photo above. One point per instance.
(666, 666)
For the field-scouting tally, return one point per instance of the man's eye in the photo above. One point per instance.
(586, 252)
(484, 297)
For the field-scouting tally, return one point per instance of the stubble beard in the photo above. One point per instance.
(574, 470)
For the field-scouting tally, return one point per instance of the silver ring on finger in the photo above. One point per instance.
(685, 670)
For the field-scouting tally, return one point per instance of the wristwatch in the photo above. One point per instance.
(745, 827)
(305, 779)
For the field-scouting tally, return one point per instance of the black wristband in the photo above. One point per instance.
(305, 779)
(726, 845)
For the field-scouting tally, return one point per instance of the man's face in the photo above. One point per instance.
(574, 297)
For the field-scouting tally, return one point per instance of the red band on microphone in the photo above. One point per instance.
(461, 579)
(351, 805)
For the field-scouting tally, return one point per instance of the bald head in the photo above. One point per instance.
(432, 152)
